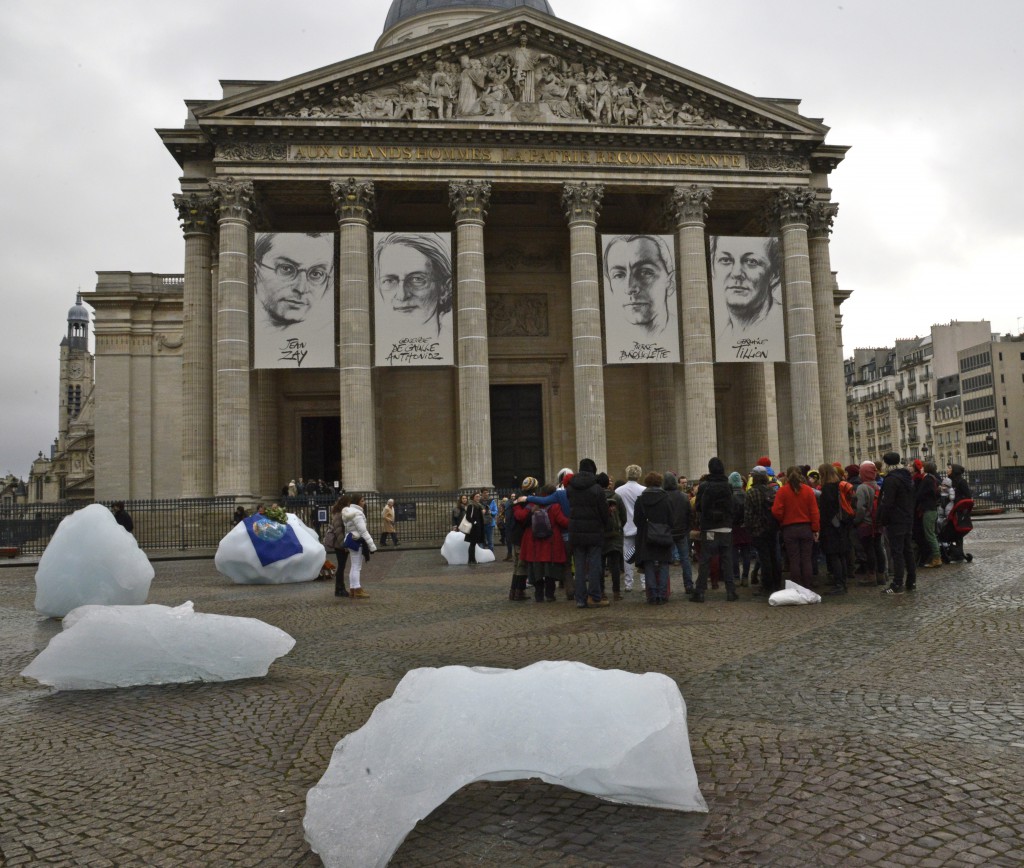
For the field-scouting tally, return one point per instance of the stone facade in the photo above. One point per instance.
(525, 137)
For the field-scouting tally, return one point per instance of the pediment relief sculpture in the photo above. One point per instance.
(522, 85)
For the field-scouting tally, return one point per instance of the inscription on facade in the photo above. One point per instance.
(513, 156)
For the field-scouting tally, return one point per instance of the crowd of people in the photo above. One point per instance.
(876, 524)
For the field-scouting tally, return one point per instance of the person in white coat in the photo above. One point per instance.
(629, 492)
(354, 517)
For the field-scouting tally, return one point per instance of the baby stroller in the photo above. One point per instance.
(951, 535)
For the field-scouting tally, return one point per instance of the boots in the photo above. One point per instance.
(934, 562)
(359, 594)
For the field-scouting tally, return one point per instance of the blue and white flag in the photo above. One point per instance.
(272, 540)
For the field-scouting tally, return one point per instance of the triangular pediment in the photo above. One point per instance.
(520, 67)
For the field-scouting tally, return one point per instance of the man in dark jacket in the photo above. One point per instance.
(896, 516)
(927, 507)
(588, 523)
(652, 513)
(714, 518)
(680, 527)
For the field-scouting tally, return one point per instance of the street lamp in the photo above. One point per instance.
(990, 440)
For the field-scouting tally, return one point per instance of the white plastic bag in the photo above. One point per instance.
(793, 595)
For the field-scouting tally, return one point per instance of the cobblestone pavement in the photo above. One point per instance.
(863, 731)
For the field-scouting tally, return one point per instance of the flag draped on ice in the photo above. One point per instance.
(272, 540)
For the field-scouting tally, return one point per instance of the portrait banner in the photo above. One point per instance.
(746, 291)
(293, 305)
(641, 321)
(412, 274)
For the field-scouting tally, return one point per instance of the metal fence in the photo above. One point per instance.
(422, 519)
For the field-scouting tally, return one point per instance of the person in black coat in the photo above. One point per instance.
(588, 523)
(682, 522)
(896, 515)
(834, 537)
(477, 535)
(653, 512)
(714, 517)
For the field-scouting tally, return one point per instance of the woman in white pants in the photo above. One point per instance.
(354, 517)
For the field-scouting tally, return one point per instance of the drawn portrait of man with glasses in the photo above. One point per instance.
(294, 304)
(413, 276)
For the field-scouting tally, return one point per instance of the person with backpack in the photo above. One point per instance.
(542, 548)
(654, 521)
(865, 520)
(713, 506)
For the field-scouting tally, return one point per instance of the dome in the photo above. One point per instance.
(78, 313)
(403, 10)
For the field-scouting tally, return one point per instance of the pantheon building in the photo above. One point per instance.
(495, 244)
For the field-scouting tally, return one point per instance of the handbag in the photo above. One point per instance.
(330, 538)
(465, 526)
(352, 543)
(659, 534)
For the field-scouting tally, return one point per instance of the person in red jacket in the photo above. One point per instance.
(545, 559)
(796, 511)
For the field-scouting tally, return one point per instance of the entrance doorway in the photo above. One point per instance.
(517, 434)
(321, 448)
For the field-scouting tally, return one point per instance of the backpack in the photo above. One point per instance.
(540, 524)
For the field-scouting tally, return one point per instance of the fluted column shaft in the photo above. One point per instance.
(791, 208)
(233, 355)
(197, 215)
(834, 432)
(582, 204)
(690, 206)
(469, 202)
(354, 202)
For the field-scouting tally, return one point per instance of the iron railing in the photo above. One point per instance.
(423, 519)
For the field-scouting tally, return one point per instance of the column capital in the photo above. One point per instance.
(354, 201)
(196, 211)
(234, 198)
(821, 216)
(582, 202)
(469, 200)
(791, 205)
(689, 204)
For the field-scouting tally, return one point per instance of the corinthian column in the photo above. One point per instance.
(469, 202)
(354, 202)
(791, 208)
(233, 470)
(690, 208)
(835, 435)
(582, 203)
(197, 213)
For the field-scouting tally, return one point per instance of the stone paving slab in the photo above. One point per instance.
(864, 731)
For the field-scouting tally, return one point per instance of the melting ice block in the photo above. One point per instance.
(793, 595)
(91, 559)
(446, 728)
(259, 551)
(456, 550)
(124, 646)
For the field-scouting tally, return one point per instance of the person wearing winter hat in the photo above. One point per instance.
(865, 521)
(714, 509)
(515, 528)
(742, 543)
(896, 515)
(589, 521)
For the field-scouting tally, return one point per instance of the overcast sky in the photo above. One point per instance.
(926, 93)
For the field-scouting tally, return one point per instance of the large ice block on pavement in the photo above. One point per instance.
(455, 550)
(793, 595)
(260, 551)
(446, 728)
(124, 646)
(91, 559)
